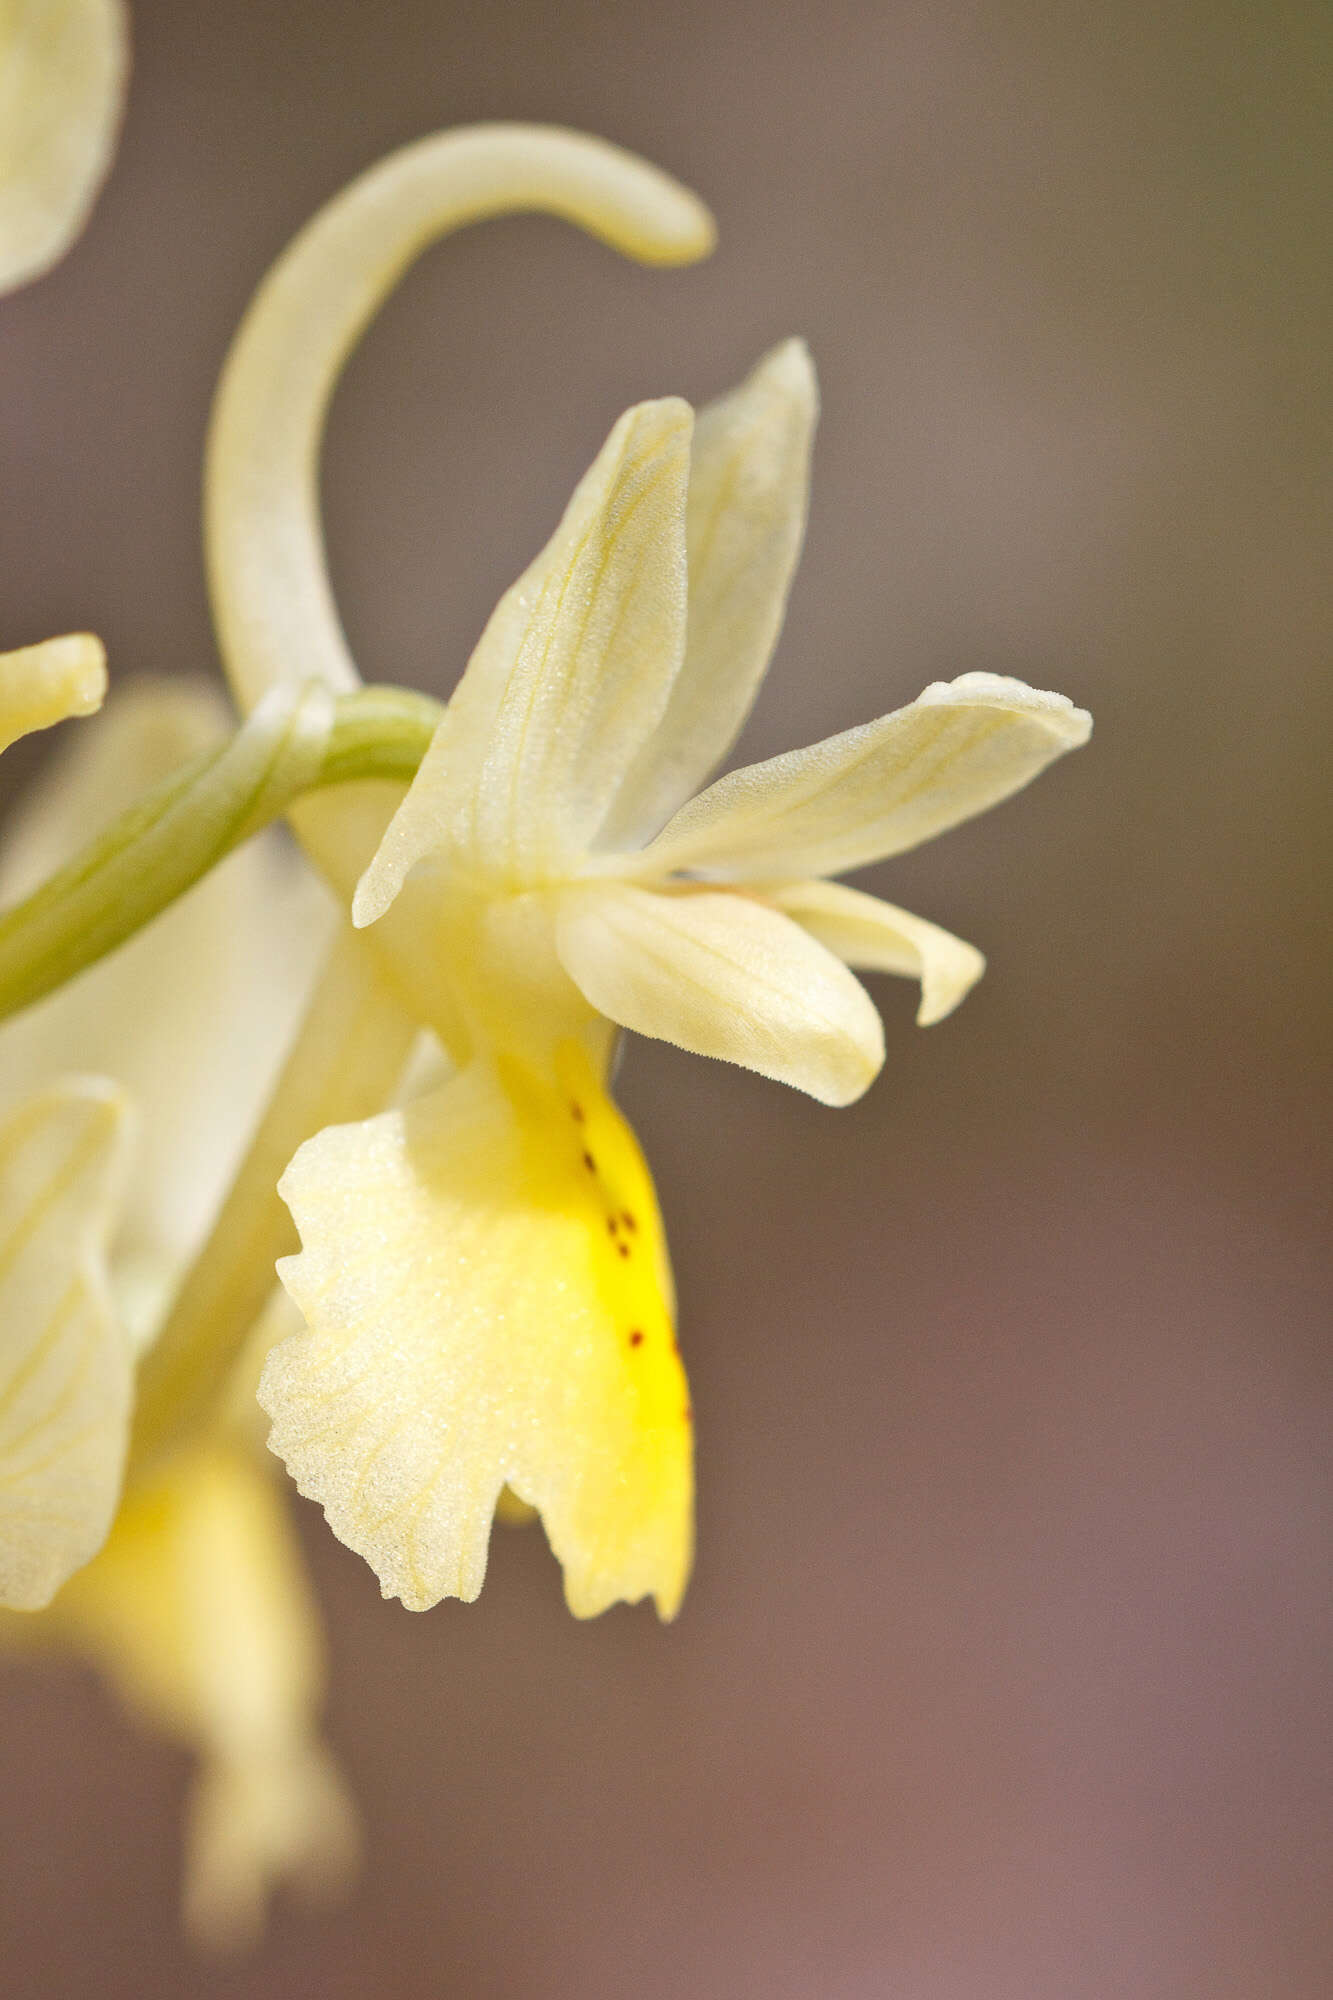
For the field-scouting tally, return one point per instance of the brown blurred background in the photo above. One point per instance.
(1006, 1670)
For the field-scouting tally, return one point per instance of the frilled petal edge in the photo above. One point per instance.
(484, 1281)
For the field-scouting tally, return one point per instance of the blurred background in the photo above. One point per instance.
(1005, 1673)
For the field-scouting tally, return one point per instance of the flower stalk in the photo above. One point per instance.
(302, 740)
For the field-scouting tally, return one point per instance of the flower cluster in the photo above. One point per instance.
(480, 1316)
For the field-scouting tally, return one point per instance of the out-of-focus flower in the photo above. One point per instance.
(63, 65)
(193, 1016)
(483, 1274)
(195, 1609)
(64, 1360)
(199, 1613)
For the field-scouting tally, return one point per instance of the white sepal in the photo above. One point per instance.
(723, 975)
(568, 680)
(749, 481)
(959, 748)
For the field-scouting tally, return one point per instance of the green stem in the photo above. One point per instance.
(297, 742)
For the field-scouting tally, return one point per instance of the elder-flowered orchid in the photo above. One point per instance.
(195, 1609)
(489, 1322)
(483, 1273)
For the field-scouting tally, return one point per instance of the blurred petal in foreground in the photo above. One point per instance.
(65, 1362)
(63, 65)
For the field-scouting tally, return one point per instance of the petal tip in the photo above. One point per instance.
(986, 690)
(655, 421)
(940, 997)
(697, 232)
(377, 889)
(80, 658)
(790, 366)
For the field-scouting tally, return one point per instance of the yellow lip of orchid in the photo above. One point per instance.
(62, 72)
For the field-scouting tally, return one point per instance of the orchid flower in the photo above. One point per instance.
(195, 1608)
(485, 1297)
(65, 1362)
(483, 1275)
(62, 76)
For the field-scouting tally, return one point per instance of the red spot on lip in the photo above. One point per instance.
(636, 1338)
(590, 1163)
(576, 1112)
(628, 1220)
(612, 1224)
(688, 1414)
(623, 1248)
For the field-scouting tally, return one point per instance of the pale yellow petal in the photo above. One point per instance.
(878, 937)
(194, 1014)
(959, 748)
(65, 1362)
(722, 975)
(749, 478)
(485, 1285)
(199, 1613)
(568, 680)
(62, 76)
(45, 683)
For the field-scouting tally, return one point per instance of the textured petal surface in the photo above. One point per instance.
(45, 683)
(193, 1015)
(722, 975)
(198, 1611)
(959, 748)
(485, 1285)
(65, 1362)
(879, 937)
(749, 479)
(568, 680)
(62, 74)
